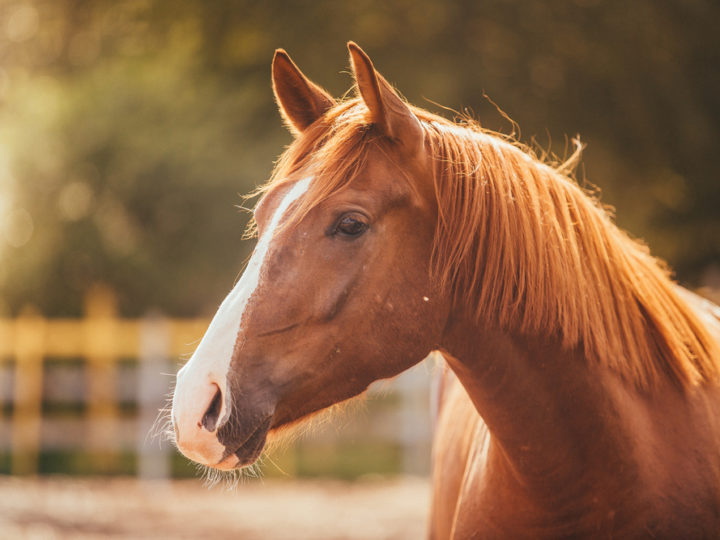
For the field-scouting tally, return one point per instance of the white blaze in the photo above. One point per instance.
(210, 363)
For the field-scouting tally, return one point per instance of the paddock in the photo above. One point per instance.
(124, 508)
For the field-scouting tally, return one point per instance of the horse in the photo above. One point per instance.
(580, 394)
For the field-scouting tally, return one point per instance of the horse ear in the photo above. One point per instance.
(300, 101)
(387, 109)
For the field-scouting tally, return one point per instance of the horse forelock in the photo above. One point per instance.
(522, 245)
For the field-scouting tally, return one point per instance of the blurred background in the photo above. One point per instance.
(130, 128)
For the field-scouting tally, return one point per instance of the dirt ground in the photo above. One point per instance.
(68, 508)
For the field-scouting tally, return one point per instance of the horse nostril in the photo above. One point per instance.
(210, 419)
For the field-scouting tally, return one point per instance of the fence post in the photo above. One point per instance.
(100, 334)
(154, 372)
(27, 414)
(414, 432)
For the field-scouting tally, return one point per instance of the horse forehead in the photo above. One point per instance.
(266, 207)
(381, 176)
(396, 175)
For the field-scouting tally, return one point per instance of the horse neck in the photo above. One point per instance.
(542, 404)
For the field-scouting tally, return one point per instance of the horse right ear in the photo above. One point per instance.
(300, 101)
(386, 108)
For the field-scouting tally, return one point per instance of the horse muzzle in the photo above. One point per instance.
(210, 430)
(199, 409)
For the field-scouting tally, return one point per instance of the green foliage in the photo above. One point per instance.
(128, 128)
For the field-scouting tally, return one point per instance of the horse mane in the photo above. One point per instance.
(517, 238)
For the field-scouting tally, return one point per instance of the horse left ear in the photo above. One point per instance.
(387, 109)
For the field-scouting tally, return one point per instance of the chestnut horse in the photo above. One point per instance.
(581, 396)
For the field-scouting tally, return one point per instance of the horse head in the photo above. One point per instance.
(338, 292)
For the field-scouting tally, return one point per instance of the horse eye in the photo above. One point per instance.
(351, 226)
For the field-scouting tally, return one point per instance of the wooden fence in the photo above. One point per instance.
(102, 340)
(155, 345)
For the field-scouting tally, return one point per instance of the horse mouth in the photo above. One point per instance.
(249, 450)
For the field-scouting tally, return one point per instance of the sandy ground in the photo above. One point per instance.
(48, 508)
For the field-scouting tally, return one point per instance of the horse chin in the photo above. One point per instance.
(275, 431)
(249, 451)
(287, 429)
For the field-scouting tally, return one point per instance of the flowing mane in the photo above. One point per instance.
(522, 244)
